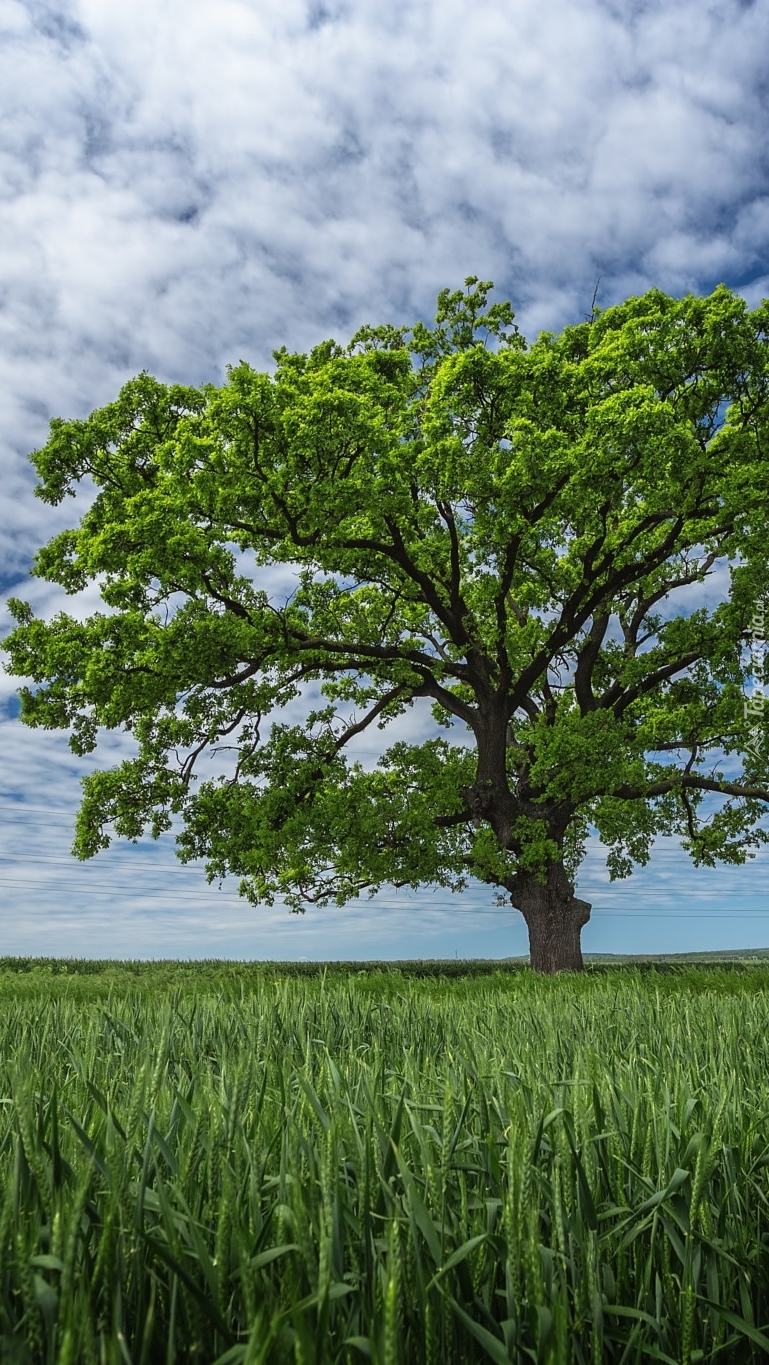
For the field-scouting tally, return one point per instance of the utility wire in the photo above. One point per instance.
(126, 862)
(141, 893)
(166, 897)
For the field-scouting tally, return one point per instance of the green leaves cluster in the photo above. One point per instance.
(510, 532)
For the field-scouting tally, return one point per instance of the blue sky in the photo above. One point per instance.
(186, 184)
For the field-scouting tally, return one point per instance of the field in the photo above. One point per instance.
(258, 1164)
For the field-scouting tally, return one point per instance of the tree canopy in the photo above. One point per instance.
(517, 535)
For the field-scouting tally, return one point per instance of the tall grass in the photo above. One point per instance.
(254, 1167)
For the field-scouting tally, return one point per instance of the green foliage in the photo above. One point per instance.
(507, 531)
(226, 1163)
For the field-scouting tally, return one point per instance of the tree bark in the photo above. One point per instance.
(554, 917)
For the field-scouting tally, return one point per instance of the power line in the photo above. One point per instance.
(165, 897)
(141, 893)
(167, 894)
(119, 843)
(121, 856)
(121, 860)
(125, 863)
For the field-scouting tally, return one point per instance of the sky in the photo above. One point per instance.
(187, 184)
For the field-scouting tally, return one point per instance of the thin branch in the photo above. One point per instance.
(230, 603)
(691, 823)
(630, 631)
(639, 689)
(191, 759)
(187, 766)
(376, 710)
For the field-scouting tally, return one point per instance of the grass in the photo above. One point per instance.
(238, 1163)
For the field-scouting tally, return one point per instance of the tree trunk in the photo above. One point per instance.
(554, 917)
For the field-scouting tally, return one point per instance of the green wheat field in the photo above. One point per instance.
(419, 1165)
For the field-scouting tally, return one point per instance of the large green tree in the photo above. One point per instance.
(513, 534)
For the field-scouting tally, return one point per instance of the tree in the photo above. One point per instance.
(514, 533)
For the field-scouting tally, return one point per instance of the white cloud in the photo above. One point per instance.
(185, 183)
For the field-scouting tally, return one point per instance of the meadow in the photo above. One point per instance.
(239, 1164)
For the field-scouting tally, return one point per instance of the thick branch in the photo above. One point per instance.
(455, 592)
(626, 792)
(453, 620)
(373, 653)
(625, 698)
(502, 599)
(586, 659)
(233, 679)
(581, 605)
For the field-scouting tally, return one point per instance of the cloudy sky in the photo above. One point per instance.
(186, 183)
